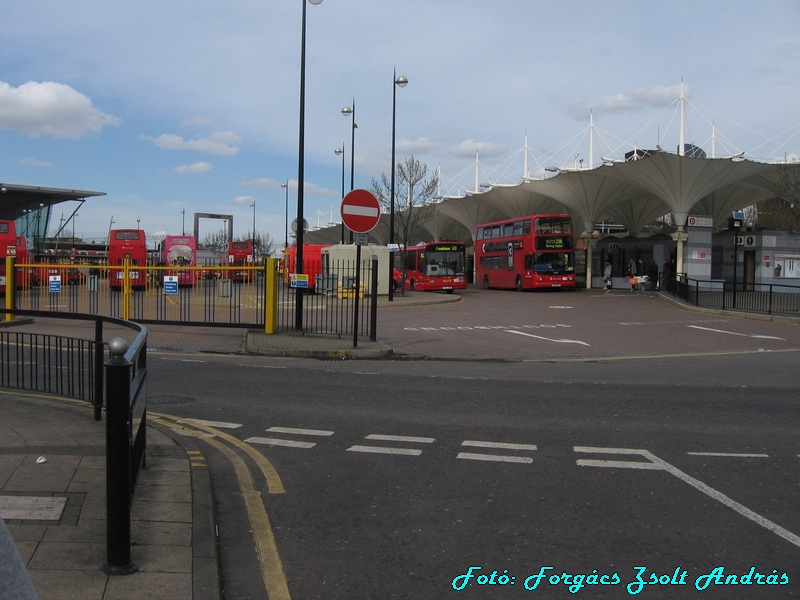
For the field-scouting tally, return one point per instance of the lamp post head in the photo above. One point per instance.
(347, 111)
(338, 151)
(315, 2)
(401, 81)
(285, 185)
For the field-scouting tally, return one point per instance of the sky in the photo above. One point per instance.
(183, 106)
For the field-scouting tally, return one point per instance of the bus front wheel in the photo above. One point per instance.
(518, 284)
(486, 282)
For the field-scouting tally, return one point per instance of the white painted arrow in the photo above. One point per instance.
(753, 335)
(539, 337)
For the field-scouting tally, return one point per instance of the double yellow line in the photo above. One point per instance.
(266, 548)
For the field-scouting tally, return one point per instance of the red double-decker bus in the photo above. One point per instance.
(122, 244)
(180, 251)
(534, 252)
(240, 254)
(433, 267)
(8, 239)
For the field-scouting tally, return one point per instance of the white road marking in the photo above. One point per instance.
(751, 335)
(695, 483)
(218, 424)
(382, 450)
(280, 442)
(400, 438)
(299, 431)
(498, 445)
(618, 464)
(728, 454)
(495, 457)
(559, 341)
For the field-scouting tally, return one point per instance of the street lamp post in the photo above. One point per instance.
(298, 314)
(347, 111)
(396, 82)
(337, 152)
(253, 237)
(285, 185)
(351, 112)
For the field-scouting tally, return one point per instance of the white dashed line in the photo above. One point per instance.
(400, 438)
(280, 442)
(494, 458)
(728, 454)
(382, 450)
(318, 432)
(498, 445)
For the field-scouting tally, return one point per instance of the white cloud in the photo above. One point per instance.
(219, 143)
(244, 199)
(29, 161)
(194, 169)
(625, 102)
(468, 148)
(50, 109)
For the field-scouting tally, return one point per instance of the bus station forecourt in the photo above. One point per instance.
(52, 447)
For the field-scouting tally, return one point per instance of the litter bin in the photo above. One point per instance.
(224, 287)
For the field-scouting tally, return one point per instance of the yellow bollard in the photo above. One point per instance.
(10, 286)
(271, 296)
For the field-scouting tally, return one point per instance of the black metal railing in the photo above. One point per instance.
(762, 298)
(329, 301)
(65, 366)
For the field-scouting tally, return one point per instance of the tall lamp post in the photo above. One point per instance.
(351, 112)
(253, 236)
(298, 313)
(337, 152)
(396, 82)
(285, 185)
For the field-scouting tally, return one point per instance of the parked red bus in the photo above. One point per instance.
(240, 254)
(434, 267)
(534, 252)
(122, 244)
(180, 251)
(8, 239)
(25, 277)
(312, 262)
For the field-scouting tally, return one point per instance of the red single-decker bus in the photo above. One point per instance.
(534, 252)
(433, 267)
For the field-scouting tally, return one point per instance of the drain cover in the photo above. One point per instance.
(33, 508)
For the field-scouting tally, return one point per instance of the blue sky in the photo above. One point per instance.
(193, 105)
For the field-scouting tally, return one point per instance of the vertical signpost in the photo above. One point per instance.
(360, 214)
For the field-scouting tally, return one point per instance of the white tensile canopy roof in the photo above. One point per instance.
(632, 193)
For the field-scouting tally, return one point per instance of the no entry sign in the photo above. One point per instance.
(360, 211)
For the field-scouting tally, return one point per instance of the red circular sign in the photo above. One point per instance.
(360, 211)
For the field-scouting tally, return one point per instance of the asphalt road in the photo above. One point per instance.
(595, 434)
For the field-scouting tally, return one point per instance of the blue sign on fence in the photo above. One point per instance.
(171, 284)
(55, 283)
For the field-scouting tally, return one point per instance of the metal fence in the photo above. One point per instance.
(770, 299)
(229, 296)
(332, 303)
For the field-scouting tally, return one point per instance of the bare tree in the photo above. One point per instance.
(783, 212)
(414, 191)
(218, 241)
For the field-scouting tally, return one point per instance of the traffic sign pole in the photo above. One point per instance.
(360, 213)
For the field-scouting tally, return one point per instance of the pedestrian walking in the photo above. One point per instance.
(607, 276)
